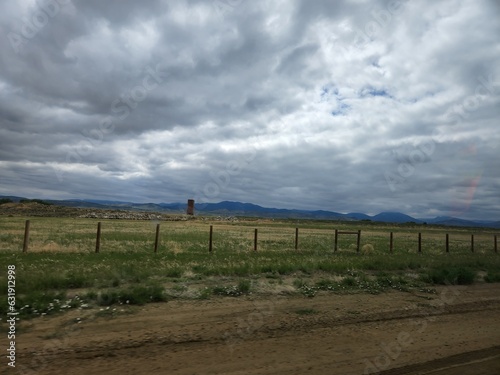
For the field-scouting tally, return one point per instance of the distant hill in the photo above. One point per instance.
(394, 217)
(13, 198)
(229, 208)
(250, 209)
(359, 216)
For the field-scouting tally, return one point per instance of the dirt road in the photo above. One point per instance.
(456, 331)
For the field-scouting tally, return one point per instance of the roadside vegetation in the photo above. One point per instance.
(61, 271)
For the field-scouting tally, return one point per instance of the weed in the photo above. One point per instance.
(299, 283)
(174, 272)
(308, 291)
(180, 288)
(46, 303)
(205, 293)
(91, 295)
(243, 287)
(325, 284)
(306, 311)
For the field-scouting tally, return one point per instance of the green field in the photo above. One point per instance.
(62, 271)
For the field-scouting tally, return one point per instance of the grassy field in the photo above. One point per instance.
(61, 270)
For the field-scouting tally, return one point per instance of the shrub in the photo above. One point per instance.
(244, 286)
(242, 270)
(455, 276)
(413, 265)
(108, 298)
(91, 295)
(205, 293)
(367, 248)
(174, 272)
(465, 276)
(384, 280)
(349, 281)
(138, 295)
(308, 291)
(326, 284)
(73, 281)
(306, 311)
(492, 277)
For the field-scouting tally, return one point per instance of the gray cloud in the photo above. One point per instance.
(344, 106)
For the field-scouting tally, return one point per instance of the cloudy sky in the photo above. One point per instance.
(349, 106)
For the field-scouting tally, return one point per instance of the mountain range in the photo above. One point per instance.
(228, 208)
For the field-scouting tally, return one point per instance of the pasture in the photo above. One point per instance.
(61, 270)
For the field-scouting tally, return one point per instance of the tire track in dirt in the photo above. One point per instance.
(194, 338)
(284, 327)
(464, 364)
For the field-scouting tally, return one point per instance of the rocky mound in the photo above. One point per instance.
(34, 209)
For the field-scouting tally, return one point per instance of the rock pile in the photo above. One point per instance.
(220, 218)
(131, 215)
(33, 209)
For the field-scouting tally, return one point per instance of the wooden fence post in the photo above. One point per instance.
(157, 237)
(26, 236)
(98, 238)
(359, 240)
(472, 243)
(210, 239)
(335, 241)
(419, 242)
(391, 242)
(255, 240)
(296, 238)
(447, 243)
